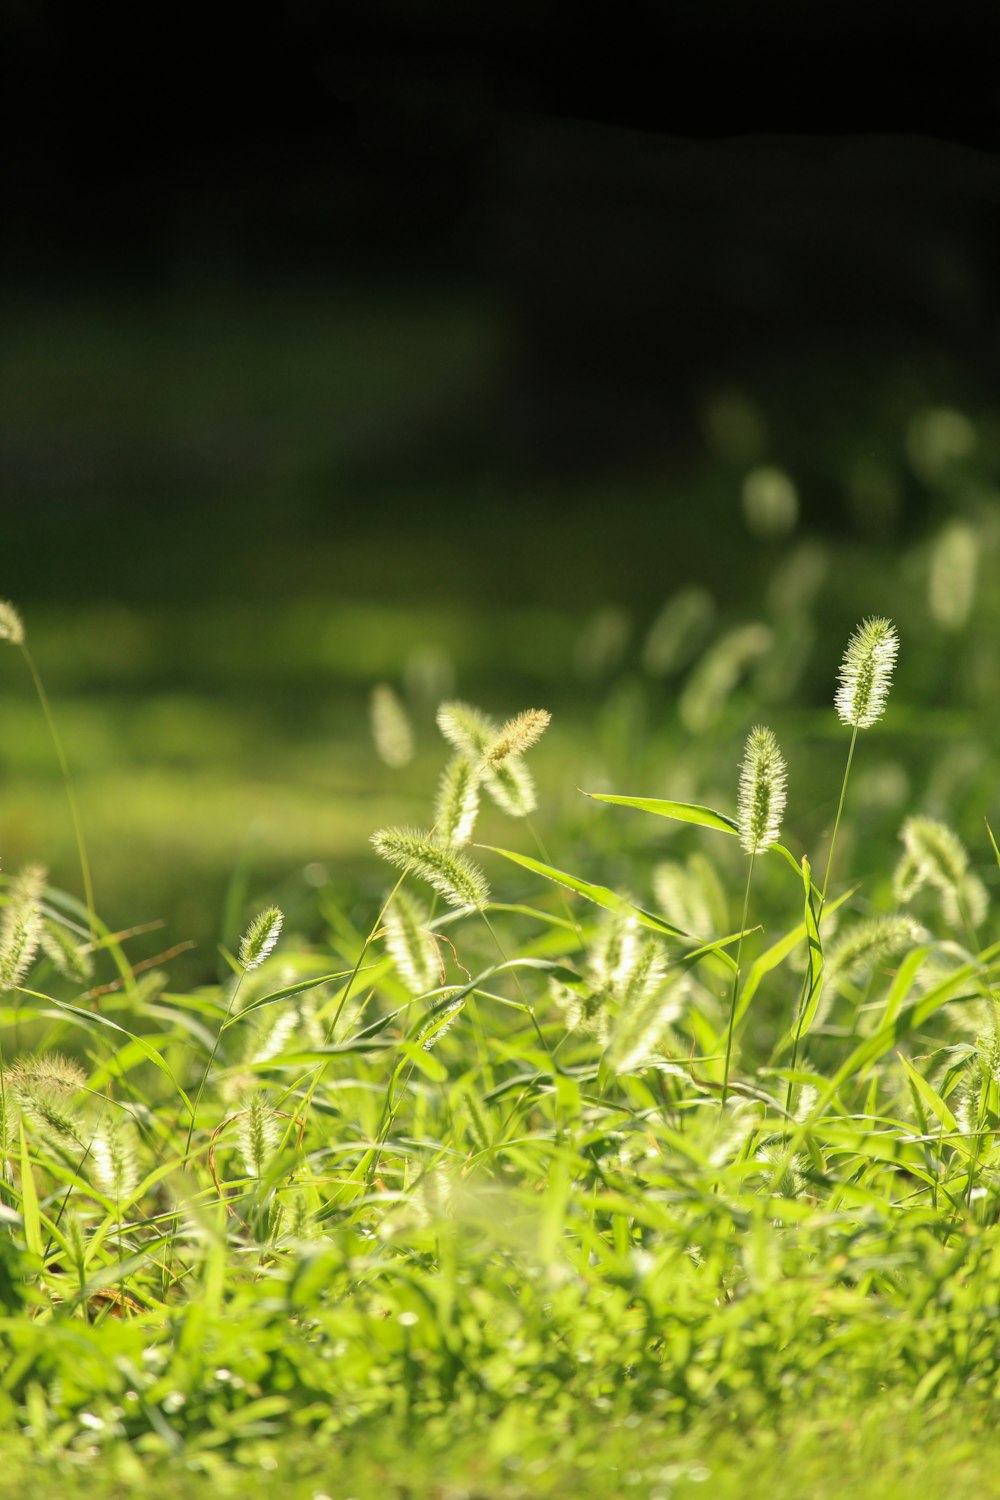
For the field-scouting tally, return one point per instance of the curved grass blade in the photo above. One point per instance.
(993, 841)
(686, 812)
(601, 895)
(772, 957)
(30, 1211)
(548, 917)
(681, 812)
(813, 988)
(89, 1018)
(910, 1019)
(903, 982)
(938, 1108)
(297, 989)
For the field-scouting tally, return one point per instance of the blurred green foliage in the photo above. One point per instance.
(230, 516)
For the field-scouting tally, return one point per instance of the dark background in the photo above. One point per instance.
(648, 202)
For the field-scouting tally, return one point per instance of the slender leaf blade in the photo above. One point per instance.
(680, 812)
(685, 812)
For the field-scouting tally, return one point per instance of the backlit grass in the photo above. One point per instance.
(553, 1156)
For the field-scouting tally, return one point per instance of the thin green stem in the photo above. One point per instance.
(81, 846)
(5, 1166)
(795, 1039)
(836, 825)
(208, 1066)
(819, 917)
(736, 984)
(520, 989)
(314, 1082)
(332, 1028)
(564, 899)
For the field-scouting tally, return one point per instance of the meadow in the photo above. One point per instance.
(603, 1104)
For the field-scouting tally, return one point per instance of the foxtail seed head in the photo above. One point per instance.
(518, 735)
(762, 792)
(468, 729)
(113, 1159)
(391, 729)
(410, 944)
(260, 937)
(457, 804)
(45, 1090)
(936, 850)
(11, 624)
(458, 879)
(259, 1135)
(866, 673)
(21, 926)
(495, 752)
(870, 942)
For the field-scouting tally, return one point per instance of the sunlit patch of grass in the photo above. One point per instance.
(642, 1191)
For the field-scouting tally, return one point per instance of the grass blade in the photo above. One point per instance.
(601, 895)
(686, 812)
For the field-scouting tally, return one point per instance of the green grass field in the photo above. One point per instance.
(568, 1148)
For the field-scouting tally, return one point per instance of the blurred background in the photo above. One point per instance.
(618, 368)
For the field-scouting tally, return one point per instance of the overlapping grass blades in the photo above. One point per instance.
(460, 1165)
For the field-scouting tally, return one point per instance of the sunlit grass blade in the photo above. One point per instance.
(273, 997)
(686, 812)
(90, 1019)
(993, 843)
(601, 895)
(682, 812)
(905, 977)
(812, 983)
(30, 1211)
(610, 900)
(932, 1099)
(774, 956)
(954, 988)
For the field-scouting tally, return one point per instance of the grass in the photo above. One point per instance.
(831, 1456)
(536, 1172)
(605, 1188)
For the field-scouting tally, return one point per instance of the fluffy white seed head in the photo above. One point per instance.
(113, 1159)
(458, 879)
(762, 791)
(496, 752)
(457, 804)
(260, 937)
(518, 735)
(870, 942)
(969, 902)
(866, 673)
(410, 944)
(907, 878)
(45, 1089)
(511, 787)
(11, 624)
(643, 1018)
(468, 729)
(937, 852)
(391, 729)
(21, 926)
(259, 1133)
